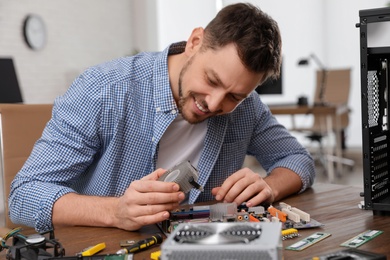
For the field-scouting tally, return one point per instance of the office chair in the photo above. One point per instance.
(335, 93)
(21, 125)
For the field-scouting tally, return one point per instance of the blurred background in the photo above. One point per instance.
(82, 33)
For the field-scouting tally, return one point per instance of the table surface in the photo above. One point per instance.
(335, 206)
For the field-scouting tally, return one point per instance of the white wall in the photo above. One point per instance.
(177, 19)
(80, 34)
(160, 23)
(144, 30)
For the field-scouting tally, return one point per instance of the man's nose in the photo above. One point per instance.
(215, 102)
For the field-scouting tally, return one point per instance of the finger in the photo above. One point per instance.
(227, 185)
(159, 208)
(151, 219)
(154, 175)
(248, 192)
(244, 186)
(215, 190)
(153, 198)
(264, 196)
(134, 222)
(140, 211)
(239, 188)
(160, 172)
(133, 196)
(156, 186)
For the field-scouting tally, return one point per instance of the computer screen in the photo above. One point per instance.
(271, 86)
(9, 86)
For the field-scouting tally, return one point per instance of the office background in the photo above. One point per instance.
(87, 32)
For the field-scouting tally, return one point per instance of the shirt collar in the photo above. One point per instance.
(163, 97)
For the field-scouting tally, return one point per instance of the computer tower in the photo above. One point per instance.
(374, 29)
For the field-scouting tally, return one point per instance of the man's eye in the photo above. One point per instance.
(235, 98)
(212, 82)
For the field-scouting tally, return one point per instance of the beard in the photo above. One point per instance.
(184, 99)
(189, 116)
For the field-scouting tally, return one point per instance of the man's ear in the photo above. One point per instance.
(195, 41)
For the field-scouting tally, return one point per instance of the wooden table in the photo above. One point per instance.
(335, 206)
(332, 114)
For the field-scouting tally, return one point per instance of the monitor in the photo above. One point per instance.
(9, 86)
(271, 86)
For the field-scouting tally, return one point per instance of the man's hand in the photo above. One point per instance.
(147, 201)
(248, 186)
(244, 186)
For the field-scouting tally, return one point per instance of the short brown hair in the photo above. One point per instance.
(255, 34)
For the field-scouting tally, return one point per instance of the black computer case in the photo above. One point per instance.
(374, 29)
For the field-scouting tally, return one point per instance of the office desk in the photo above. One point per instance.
(335, 206)
(332, 114)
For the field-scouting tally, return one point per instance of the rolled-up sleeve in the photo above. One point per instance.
(274, 146)
(63, 153)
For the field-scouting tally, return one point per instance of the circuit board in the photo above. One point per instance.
(308, 241)
(290, 217)
(362, 238)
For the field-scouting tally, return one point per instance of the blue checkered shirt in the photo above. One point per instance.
(104, 134)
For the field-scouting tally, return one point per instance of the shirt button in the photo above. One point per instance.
(153, 139)
(173, 112)
(158, 109)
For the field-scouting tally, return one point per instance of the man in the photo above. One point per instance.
(122, 124)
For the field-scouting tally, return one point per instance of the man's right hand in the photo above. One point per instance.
(147, 201)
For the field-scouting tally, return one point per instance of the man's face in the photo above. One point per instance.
(214, 83)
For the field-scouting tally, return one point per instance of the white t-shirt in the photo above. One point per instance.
(182, 141)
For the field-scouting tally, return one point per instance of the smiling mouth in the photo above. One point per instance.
(200, 107)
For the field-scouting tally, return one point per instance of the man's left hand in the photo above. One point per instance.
(244, 186)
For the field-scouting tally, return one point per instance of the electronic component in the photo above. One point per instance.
(361, 238)
(224, 212)
(184, 174)
(258, 210)
(230, 212)
(191, 213)
(277, 213)
(35, 246)
(308, 241)
(252, 218)
(289, 233)
(303, 216)
(303, 224)
(222, 240)
(352, 253)
(292, 215)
